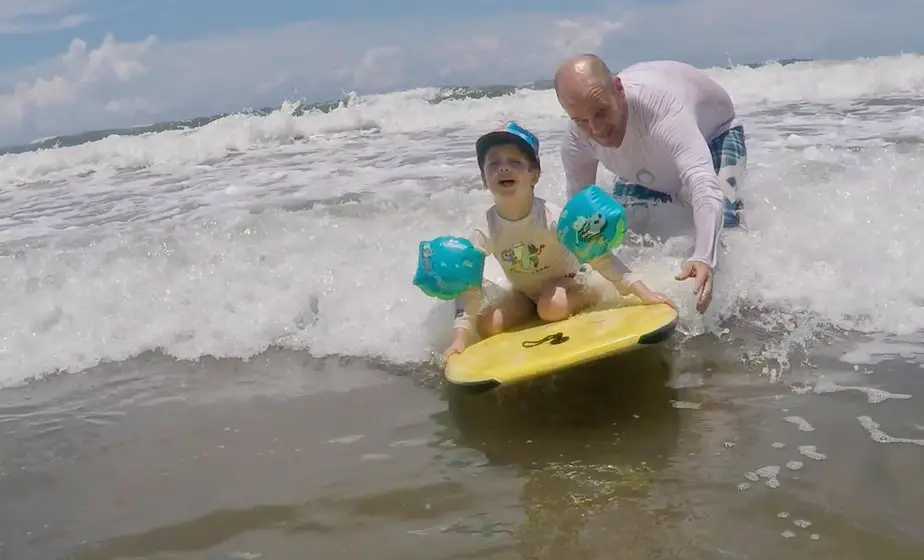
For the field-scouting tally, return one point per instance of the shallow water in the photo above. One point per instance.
(655, 454)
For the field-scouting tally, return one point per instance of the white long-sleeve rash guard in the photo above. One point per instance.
(674, 110)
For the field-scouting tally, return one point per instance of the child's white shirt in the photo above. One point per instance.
(530, 254)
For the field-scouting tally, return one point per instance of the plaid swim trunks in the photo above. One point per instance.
(728, 149)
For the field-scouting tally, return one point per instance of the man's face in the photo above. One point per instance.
(599, 110)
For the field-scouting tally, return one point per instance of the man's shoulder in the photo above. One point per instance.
(670, 79)
(657, 89)
(647, 70)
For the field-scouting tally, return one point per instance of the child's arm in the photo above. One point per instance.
(467, 307)
(589, 205)
(617, 272)
(613, 269)
(469, 304)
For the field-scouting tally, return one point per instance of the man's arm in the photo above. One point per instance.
(694, 163)
(578, 161)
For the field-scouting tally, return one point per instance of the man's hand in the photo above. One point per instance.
(702, 282)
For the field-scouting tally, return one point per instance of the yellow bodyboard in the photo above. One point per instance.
(540, 349)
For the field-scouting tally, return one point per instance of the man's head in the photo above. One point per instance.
(594, 98)
(509, 160)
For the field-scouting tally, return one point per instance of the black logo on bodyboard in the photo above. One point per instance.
(552, 339)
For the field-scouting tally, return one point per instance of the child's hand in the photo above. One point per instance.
(649, 297)
(657, 297)
(458, 345)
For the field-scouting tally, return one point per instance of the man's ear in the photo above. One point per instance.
(617, 85)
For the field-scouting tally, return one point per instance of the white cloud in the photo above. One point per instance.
(83, 75)
(19, 17)
(120, 84)
(576, 37)
(15, 9)
(380, 67)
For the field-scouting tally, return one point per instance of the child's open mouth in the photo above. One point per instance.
(507, 182)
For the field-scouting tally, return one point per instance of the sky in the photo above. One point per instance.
(77, 65)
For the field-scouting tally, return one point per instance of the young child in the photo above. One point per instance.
(539, 246)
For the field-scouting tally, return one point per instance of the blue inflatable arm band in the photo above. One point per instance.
(591, 224)
(448, 266)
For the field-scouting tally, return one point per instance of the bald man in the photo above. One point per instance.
(670, 135)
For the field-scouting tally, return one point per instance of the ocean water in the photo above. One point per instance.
(299, 229)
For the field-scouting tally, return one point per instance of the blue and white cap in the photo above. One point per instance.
(526, 140)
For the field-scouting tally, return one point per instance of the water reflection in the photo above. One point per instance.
(584, 443)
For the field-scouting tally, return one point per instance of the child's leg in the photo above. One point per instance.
(513, 309)
(566, 296)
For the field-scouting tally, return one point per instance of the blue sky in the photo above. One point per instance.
(72, 65)
(177, 20)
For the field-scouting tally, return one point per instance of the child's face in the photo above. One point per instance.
(508, 172)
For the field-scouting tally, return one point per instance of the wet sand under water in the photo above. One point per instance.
(650, 455)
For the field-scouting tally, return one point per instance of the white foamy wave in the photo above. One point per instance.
(302, 231)
(410, 112)
(224, 287)
(825, 80)
(321, 280)
(252, 137)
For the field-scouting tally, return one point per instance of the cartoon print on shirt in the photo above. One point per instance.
(522, 257)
